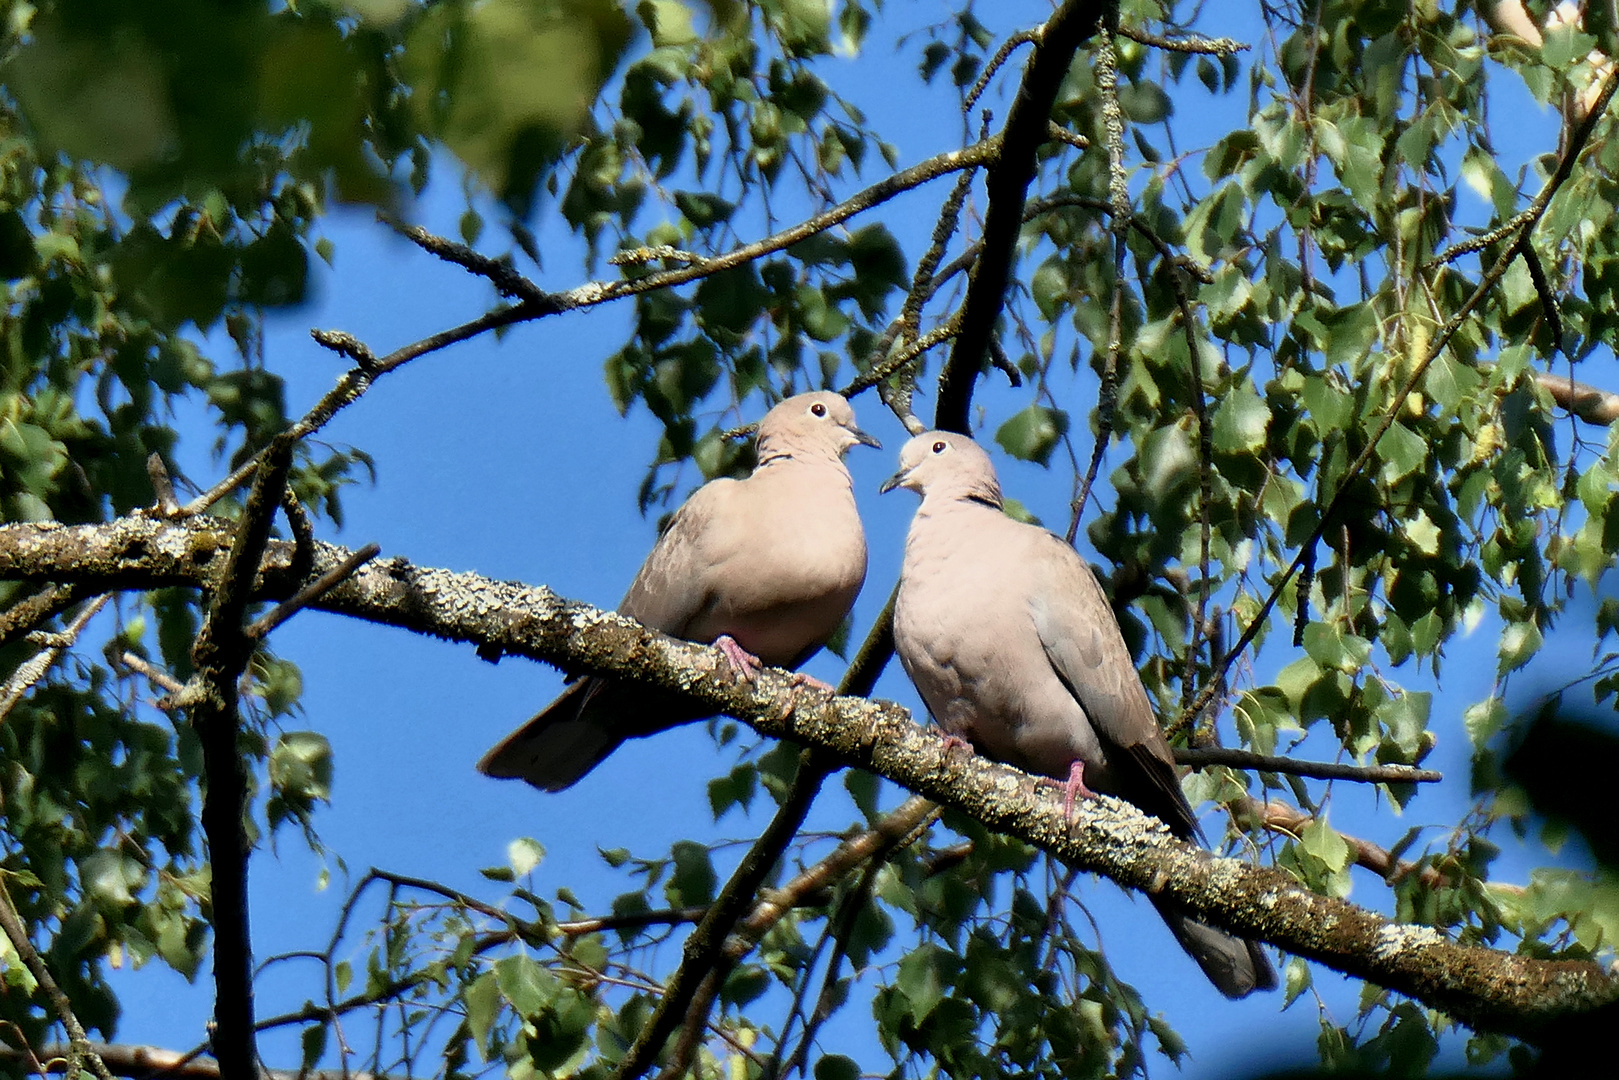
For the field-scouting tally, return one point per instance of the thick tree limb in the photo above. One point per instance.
(1007, 183)
(210, 700)
(1483, 988)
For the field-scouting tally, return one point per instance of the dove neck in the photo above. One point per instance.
(979, 494)
(773, 454)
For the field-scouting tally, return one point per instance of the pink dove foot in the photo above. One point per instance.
(1075, 787)
(743, 663)
(800, 680)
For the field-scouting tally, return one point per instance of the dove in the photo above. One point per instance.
(764, 568)
(1009, 639)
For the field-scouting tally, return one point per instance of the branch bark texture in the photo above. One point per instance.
(1483, 988)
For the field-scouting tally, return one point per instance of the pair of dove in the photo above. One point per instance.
(1001, 626)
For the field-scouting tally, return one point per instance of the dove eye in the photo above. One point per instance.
(938, 447)
(818, 409)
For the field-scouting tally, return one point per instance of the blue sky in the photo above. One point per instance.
(507, 458)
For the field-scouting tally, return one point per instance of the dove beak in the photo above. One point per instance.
(897, 480)
(864, 439)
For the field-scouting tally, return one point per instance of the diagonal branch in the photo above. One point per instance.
(79, 1048)
(1007, 184)
(1484, 988)
(354, 383)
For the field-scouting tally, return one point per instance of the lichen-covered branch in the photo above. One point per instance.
(1484, 988)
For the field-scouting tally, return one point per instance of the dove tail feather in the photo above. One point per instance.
(590, 720)
(1237, 967)
(558, 746)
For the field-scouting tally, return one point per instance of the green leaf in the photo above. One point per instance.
(1031, 435)
(923, 976)
(524, 854)
(693, 881)
(1403, 452)
(704, 209)
(1483, 720)
(524, 983)
(483, 1001)
(1325, 843)
(1295, 980)
(669, 21)
(1520, 641)
(313, 1041)
(1241, 421)
(836, 1067)
(1330, 646)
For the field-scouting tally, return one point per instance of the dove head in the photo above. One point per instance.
(944, 465)
(822, 422)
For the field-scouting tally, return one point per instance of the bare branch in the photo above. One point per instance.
(79, 1050)
(311, 592)
(500, 272)
(23, 616)
(1022, 37)
(221, 652)
(1188, 43)
(153, 674)
(1008, 183)
(33, 669)
(1590, 404)
(162, 486)
(1315, 770)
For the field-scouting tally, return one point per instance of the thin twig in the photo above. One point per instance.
(500, 271)
(1203, 757)
(162, 487)
(312, 592)
(33, 669)
(1022, 37)
(153, 674)
(1187, 43)
(79, 1047)
(26, 614)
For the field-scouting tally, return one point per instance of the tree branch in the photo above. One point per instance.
(79, 1048)
(1199, 758)
(1483, 988)
(1007, 183)
(354, 383)
(143, 1062)
(221, 653)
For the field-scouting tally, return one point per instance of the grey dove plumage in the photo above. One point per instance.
(1006, 633)
(766, 568)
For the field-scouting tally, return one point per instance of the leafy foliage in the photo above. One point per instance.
(1329, 417)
